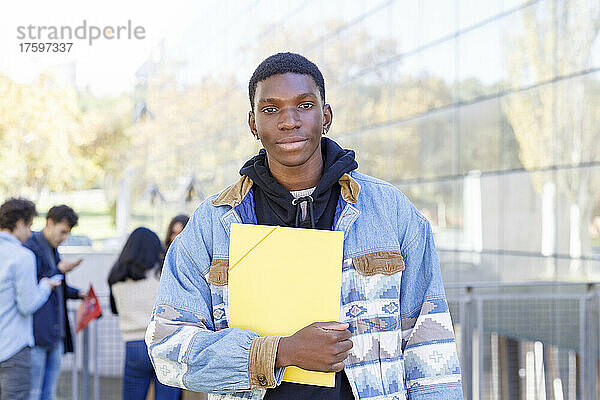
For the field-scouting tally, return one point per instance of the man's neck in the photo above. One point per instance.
(300, 177)
(44, 233)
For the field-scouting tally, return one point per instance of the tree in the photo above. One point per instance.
(49, 141)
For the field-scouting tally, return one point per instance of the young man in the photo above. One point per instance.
(20, 296)
(395, 338)
(51, 327)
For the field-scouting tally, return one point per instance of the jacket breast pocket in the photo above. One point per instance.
(218, 279)
(218, 274)
(381, 262)
(371, 292)
(372, 310)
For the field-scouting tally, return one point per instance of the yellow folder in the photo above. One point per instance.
(283, 279)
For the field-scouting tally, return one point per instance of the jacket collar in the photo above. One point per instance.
(9, 237)
(234, 194)
(350, 189)
(42, 241)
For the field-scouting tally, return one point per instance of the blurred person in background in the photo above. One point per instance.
(20, 296)
(133, 282)
(175, 227)
(51, 328)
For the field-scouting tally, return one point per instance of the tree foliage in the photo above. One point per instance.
(49, 141)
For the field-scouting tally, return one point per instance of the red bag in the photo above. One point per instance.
(88, 310)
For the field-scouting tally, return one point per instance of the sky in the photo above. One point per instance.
(105, 66)
(208, 37)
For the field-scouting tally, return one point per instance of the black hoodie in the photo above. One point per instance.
(275, 205)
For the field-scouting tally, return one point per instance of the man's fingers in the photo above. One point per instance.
(333, 325)
(344, 346)
(340, 357)
(340, 336)
(337, 367)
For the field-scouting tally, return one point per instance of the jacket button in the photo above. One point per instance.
(262, 379)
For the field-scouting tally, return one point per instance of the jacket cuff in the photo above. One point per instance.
(261, 366)
(45, 288)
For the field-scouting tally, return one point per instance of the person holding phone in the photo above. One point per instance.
(20, 297)
(51, 327)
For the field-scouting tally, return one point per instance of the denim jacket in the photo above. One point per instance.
(392, 297)
(20, 296)
(51, 322)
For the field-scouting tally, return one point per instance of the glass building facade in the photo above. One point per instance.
(485, 113)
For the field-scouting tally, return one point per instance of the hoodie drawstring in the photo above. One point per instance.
(297, 202)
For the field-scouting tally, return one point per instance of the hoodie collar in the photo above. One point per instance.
(234, 194)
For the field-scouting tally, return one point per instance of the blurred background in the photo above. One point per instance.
(486, 113)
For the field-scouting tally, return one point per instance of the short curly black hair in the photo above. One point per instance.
(15, 209)
(63, 213)
(282, 63)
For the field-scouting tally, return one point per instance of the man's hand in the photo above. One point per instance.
(67, 266)
(51, 282)
(321, 346)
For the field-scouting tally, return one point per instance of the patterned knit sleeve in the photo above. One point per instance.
(185, 347)
(432, 369)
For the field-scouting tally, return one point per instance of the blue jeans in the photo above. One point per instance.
(45, 370)
(139, 372)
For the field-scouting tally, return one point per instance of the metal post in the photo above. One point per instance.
(480, 346)
(75, 371)
(96, 372)
(466, 344)
(592, 346)
(86, 364)
(582, 350)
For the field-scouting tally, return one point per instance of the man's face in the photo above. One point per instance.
(289, 118)
(56, 232)
(22, 230)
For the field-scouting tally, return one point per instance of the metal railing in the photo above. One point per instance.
(94, 370)
(552, 328)
(534, 340)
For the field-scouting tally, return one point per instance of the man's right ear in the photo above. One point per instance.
(20, 224)
(252, 125)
